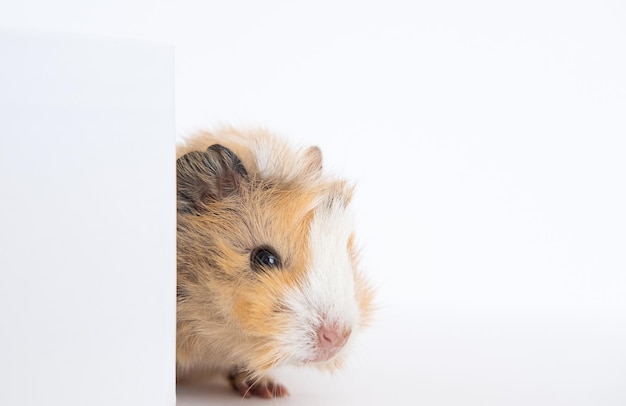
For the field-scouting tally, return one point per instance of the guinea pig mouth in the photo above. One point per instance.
(321, 357)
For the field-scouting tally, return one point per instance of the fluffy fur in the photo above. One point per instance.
(238, 191)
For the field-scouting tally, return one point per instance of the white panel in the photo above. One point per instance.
(87, 222)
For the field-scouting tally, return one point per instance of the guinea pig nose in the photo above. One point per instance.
(332, 338)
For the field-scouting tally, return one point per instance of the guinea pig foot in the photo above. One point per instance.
(264, 387)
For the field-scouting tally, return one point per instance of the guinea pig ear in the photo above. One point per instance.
(312, 161)
(202, 177)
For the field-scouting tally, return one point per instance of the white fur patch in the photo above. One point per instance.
(327, 295)
(276, 160)
(266, 160)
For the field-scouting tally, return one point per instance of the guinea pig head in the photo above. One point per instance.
(268, 265)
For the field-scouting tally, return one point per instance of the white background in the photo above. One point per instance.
(488, 140)
(87, 222)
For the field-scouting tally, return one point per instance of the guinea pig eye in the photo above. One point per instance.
(264, 257)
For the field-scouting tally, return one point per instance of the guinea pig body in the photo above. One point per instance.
(266, 260)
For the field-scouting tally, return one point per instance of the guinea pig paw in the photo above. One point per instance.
(264, 387)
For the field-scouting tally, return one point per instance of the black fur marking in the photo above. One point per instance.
(204, 177)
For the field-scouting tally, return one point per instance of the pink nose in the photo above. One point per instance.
(331, 339)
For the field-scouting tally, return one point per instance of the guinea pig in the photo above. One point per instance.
(267, 267)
